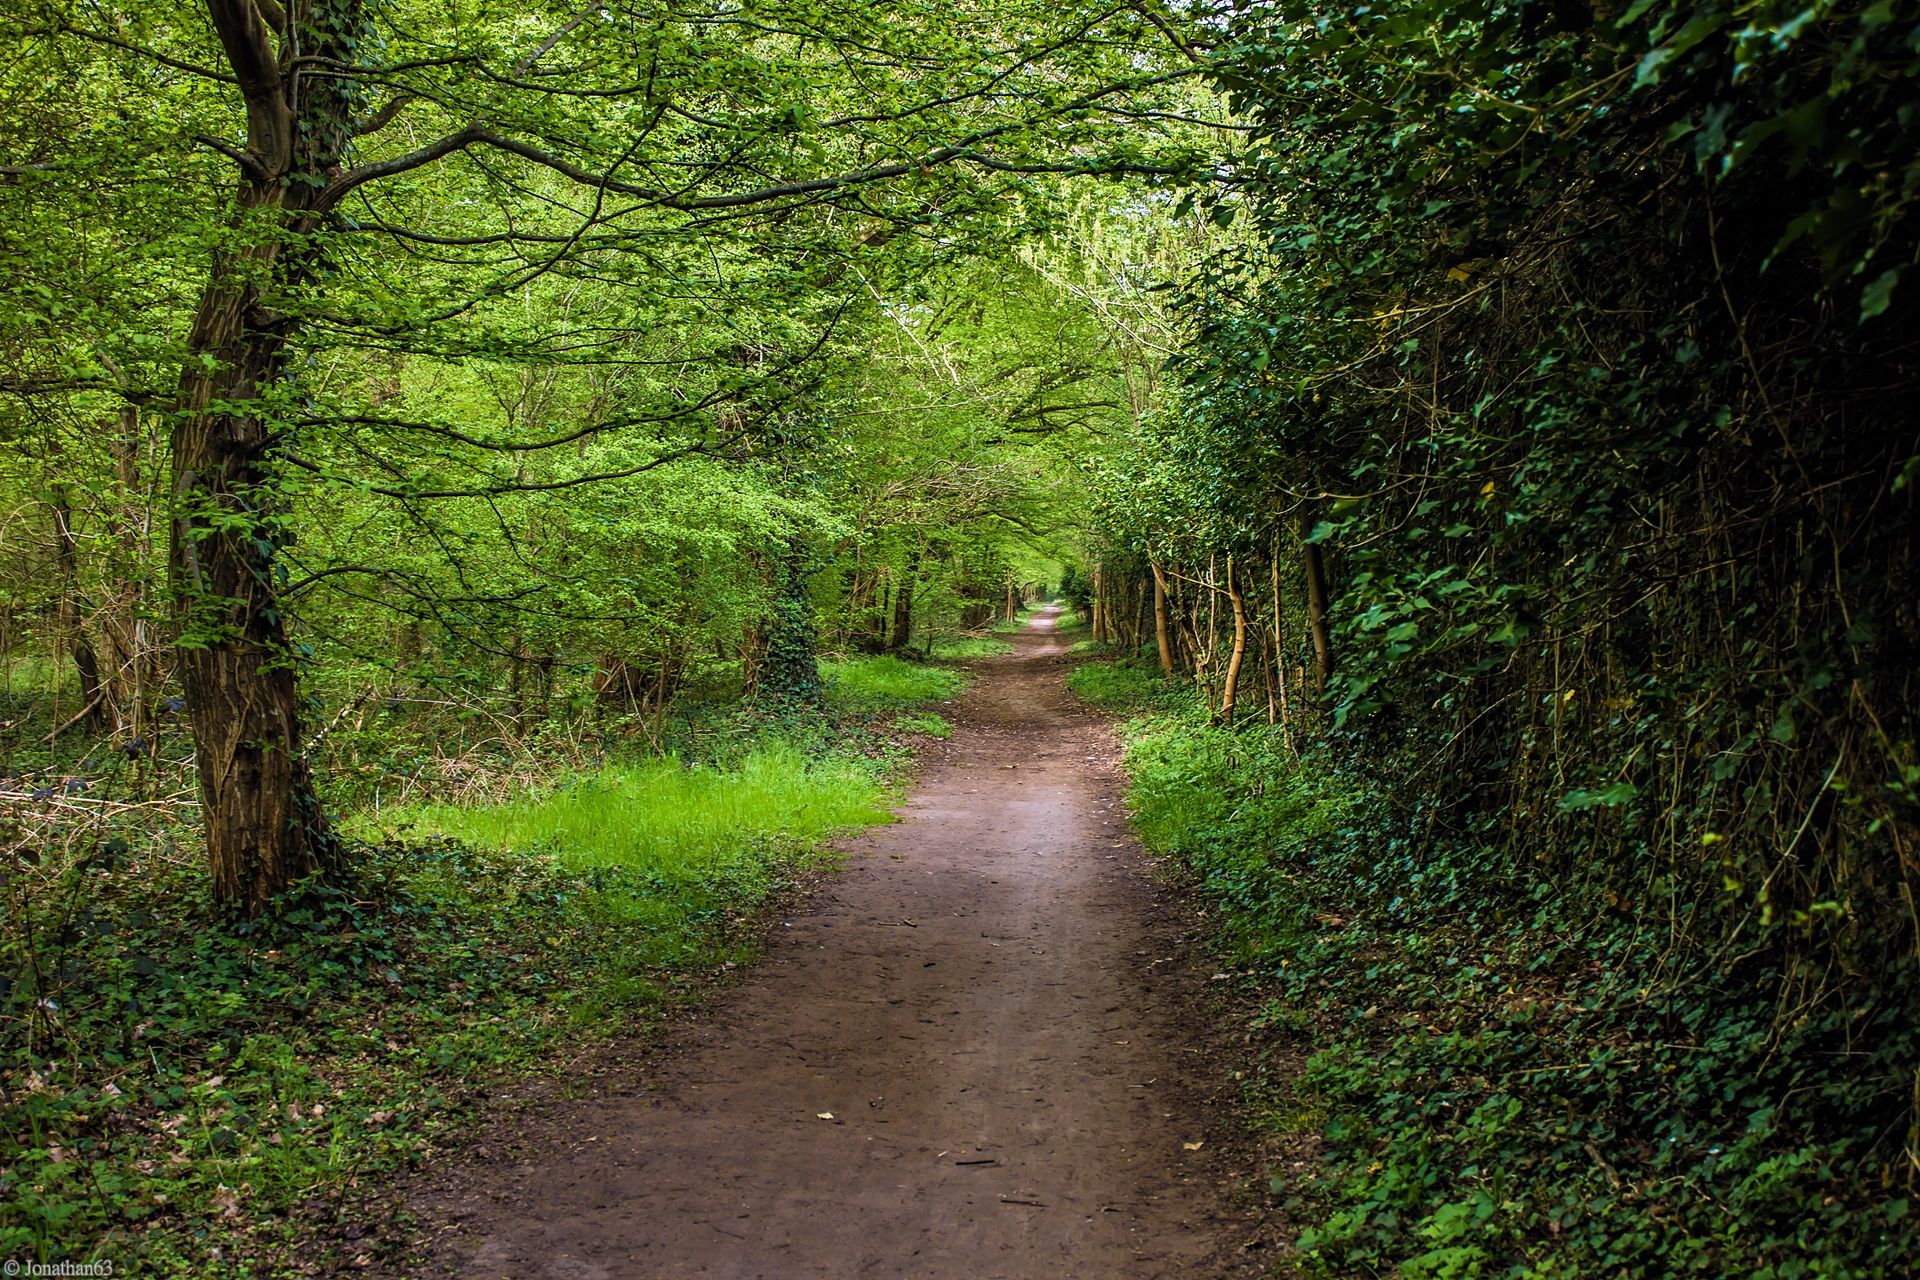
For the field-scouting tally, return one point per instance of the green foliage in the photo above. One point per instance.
(186, 1099)
(1237, 807)
(1480, 1110)
(1569, 337)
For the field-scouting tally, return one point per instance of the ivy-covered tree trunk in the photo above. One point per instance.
(791, 668)
(264, 826)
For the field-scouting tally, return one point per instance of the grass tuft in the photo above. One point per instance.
(886, 683)
(968, 648)
(929, 723)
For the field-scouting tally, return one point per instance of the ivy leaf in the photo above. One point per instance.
(1876, 297)
(1605, 797)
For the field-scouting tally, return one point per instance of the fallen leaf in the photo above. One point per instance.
(1193, 1146)
(823, 1115)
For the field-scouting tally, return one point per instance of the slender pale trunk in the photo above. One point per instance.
(1207, 658)
(1160, 618)
(130, 634)
(1099, 618)
(1230, 687)
(1137, 626)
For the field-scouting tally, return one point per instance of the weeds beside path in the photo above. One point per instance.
(185, 1095)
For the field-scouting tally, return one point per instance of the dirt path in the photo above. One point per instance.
(990, 1003)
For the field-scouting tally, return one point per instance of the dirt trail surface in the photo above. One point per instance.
(989, 1003)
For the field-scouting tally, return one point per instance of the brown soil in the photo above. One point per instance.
(976, 1052)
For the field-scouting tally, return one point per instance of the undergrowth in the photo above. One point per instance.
(1497, 1080)
(183, 1094)
(966, 648)
(886, 682)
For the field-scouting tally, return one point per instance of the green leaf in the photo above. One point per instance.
(1615, 793)
(1876, 297)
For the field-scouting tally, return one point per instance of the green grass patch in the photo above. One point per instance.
(1122, 685)
(674, 822)
(968, 648)
(1194, 798)
(887, 683)
(930, 723)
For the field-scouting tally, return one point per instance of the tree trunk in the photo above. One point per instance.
(1279, 641)
(133, 649)
(1231, 685)
(1317, 614)
(1097, 620)
(792, 666)
(1160, 618)
(71, 617)
(1138, 624)
(264, 826)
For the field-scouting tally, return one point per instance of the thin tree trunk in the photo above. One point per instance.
(1099, 613)
(1280, 643)
(1138, 625)
(1213, 628)
(71, 617)
(1231, 686)
(1317, 616)
(129, 633)
(1160, 618)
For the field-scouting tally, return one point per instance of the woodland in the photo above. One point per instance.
(488, 488)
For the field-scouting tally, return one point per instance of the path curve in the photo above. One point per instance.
(990, 1001)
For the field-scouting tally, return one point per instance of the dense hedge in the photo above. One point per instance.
(1575, 337)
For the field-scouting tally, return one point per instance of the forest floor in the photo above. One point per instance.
(979, 1050)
